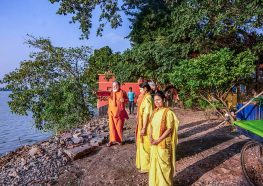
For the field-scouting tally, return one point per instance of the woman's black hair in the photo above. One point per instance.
(160, 94)
(145, 85)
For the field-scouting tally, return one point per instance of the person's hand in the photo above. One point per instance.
(151, 139)
(155, 142)
(121, 100)
(143, 132)
(116, 115)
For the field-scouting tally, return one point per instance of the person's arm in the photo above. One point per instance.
(145, 117)
(162, 137)
(144, 123)
(170, 120)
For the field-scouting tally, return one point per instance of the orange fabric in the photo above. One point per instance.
(117, 115)
(163, 122)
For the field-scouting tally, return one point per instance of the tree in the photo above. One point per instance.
(210, 76)
(110, 11)
(166, 34)
(102, 61)
(51, 86)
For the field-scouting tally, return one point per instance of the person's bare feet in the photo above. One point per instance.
(142, 172)
(119, 143)
(109, 144)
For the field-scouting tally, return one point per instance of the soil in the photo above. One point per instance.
(208, 153)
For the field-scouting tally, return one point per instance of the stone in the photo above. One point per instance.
(77, 135)
(23, 162)
(79, 152)
(77, 131)
(97, 141)
(225, 171)
(130, 140)
(33, 151)
(59, 152)
(65, 136)
(77, 140)
(13, 173)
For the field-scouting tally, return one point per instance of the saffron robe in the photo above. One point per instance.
(143, 142)
(117, 115)
(162, 156)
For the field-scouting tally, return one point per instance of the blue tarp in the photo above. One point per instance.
(251, 112)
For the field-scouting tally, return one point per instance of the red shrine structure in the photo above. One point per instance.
(104, 88)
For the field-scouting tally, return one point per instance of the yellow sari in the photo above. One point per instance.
(143, 143)
(162, 156)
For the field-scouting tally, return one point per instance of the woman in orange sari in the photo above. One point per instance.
(142, 130)
(163, 138)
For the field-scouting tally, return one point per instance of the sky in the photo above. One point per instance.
(38, 18)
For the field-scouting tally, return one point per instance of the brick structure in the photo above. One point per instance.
(104, 89)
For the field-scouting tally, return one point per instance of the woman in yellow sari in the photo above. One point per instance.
(142, 130)
(163, 138)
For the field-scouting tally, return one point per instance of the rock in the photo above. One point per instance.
(97, 141)
(59, 152)
(225, 171)
(86, 134)
(77, 140)
(77, 135)
(65, 136)
(33, 151)
(23, 162)
(77, 131)
(13, 173)
(79, 152)
(130, 140)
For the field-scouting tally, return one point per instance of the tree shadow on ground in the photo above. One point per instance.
(202, 143)
(192, 173)
(184, 126)
(197, 129)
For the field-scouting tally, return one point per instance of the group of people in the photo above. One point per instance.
(156, 132)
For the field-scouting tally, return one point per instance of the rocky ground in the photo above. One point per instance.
(208, 153)
(42, 163)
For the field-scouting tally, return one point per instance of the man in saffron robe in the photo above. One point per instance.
(117, 113)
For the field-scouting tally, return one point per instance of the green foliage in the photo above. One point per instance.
(212, 74)
(51, 86)
(81, 12)
(100, 62)
(163, 34)
(169, 35)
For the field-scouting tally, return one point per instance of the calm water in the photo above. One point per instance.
(15, 130)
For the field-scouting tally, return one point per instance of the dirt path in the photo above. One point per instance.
(207, 154)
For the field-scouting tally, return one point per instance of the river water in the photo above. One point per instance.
(15, 130)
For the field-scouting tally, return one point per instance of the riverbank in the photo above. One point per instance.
(43, 162)
(207, 154)
(16, 130)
